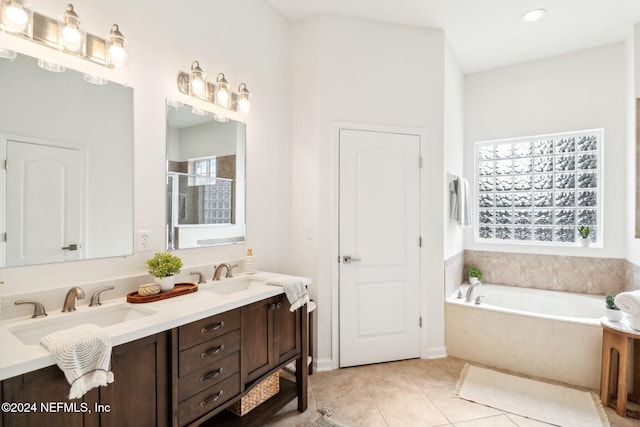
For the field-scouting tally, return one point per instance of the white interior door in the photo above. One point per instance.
(45, 195)
(380, 230)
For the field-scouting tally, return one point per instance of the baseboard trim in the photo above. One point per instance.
(435, 353)
(323, 365)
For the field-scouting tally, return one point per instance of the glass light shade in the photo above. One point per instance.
(14, 16)
(117, 52)
(95, 80)
(71, 34)
(223, 95)
(197, 80)
(243, 99)
(8, 54)
(50, 66)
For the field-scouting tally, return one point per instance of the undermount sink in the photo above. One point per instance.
(32, 330)
(233, 286)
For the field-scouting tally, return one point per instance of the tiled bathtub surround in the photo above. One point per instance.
(453, 272)
(597, 276)
(632, 277)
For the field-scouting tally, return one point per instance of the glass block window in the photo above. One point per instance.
(539, 190)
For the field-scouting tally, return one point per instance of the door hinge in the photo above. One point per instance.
(6, 165)
(420, 321)
(420, 162)
(420, 241)
(3, 237)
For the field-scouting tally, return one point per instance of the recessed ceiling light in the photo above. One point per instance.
(534, 15)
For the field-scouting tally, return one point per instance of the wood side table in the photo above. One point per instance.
(615, 371)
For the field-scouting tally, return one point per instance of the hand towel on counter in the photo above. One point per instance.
(629, 302)
(295, 288)
(83, 353)
(461, 209)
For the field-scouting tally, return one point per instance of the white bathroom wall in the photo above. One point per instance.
(359, 71)
(579, 90)
(248, 41)
(632, 79)
(453, 145)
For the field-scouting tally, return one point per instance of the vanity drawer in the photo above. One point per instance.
(208, 399)
(208, 352)
(205, 329)
(208, 375)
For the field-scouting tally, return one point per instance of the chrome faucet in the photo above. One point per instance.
(469, 295)
(218, 272)
(70, 299)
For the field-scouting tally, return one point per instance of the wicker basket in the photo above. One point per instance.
(267, 388)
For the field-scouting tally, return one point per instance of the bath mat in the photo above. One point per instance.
(549, 403)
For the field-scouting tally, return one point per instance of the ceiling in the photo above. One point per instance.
(487, 34)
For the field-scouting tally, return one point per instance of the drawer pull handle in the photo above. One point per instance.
(279, 305)
(212, 399)
(212, 351)
(272, 306)
(212, 328)
(211, 375)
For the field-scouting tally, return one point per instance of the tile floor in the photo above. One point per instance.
(407, 393)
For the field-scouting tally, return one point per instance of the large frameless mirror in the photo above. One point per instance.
(67, 190)
(205, 178)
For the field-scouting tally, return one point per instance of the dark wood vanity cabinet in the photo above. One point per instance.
(270, 336)
(140, 389)
(141, 384)
(180, 377)
(207, 365)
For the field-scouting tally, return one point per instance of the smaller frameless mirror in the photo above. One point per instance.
(205, 178)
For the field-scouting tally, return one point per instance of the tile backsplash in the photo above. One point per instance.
(586, 275)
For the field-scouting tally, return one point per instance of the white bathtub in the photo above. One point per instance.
(547, 334)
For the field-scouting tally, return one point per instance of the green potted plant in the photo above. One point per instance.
(613, 312)
(474, 273)
(584, 231)
(163, 266)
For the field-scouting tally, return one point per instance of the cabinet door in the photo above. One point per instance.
(257, 340)
(140, 390)
(286, 331)
(48, 389)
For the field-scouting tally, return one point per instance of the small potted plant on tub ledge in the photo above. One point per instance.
(613, 312)
(163, 267)
(584, 231)
(474, 274)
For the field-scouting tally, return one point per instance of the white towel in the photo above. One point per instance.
(295, 289)
(634, 322)
(629, 302)
(84, 355)
(461, 208)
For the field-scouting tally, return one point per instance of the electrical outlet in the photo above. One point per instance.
(144, 241)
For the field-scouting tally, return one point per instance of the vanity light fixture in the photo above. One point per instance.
(8, 54)
(71, 34)
(50, 66)
(243, 98)
(65, 34)
(222, 91)
(197, 81)
(15, 16)
(534, 15)
(194, 83)
(117, 52)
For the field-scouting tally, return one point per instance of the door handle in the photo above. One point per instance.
(348, 259)
(71, 247)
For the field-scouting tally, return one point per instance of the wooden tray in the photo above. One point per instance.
(179, 289)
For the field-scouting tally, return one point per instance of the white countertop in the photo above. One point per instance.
(18, 358)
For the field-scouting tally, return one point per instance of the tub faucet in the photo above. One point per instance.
(469, 295)
(70, 299)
